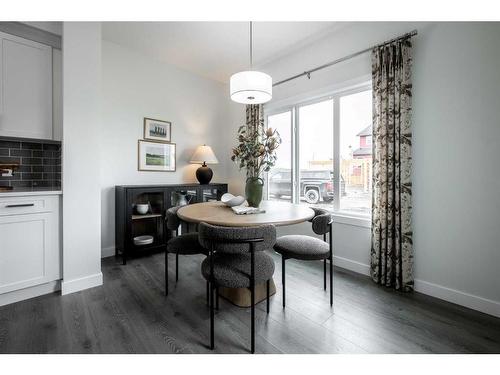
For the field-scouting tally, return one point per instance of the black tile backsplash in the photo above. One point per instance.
(40, 163)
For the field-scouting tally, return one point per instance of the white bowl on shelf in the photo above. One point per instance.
(230, 200)
(143, 240)
(142, 209)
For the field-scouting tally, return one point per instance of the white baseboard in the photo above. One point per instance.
(352, 265)
(31, 292)
(82, 283)
(434, 290)
(471, 301)
(108, 252)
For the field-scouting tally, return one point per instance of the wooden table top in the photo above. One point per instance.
(217, 213)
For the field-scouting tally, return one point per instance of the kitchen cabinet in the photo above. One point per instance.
(26, 88)
(30, 249)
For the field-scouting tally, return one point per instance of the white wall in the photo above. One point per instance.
(81, 156)
(456, 138)
(136, 86)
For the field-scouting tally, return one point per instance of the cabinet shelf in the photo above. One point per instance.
(146, 216)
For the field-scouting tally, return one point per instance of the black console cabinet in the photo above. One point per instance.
(129, 223)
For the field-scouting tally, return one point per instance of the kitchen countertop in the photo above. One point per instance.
(21, 192)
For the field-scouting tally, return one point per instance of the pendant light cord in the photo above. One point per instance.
(251, 46)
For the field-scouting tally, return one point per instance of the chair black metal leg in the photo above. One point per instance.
(331, 282)
(331, 265)
(283, 278)
(124, 256)
(176, 267)
(166, 272)
(267, 296)
(324, 274)
(217, 298)
(212, 314)
(324, 267)
(252, 297)
(208, 291)
(211, 300)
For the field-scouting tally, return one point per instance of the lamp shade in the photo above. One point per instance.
(251, 87)
(204, 154)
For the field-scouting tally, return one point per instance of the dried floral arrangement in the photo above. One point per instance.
(256, 150)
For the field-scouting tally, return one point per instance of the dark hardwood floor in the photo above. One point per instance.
(130, 314)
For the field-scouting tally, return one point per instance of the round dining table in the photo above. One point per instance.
(277, 213)
(217, 213)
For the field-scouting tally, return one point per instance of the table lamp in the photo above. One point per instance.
(204, 155)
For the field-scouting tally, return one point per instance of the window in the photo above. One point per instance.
(325, 158)
(279, 178)
(356, 152)
(316, 153)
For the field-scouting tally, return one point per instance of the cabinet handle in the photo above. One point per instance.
(20, 205)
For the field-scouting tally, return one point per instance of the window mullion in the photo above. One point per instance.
(336, 154)
(295, 156)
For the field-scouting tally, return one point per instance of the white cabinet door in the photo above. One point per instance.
(29, 250)
(26, 88)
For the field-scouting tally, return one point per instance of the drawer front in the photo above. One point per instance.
(27, 205)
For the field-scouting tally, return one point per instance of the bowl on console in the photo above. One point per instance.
(142, 209)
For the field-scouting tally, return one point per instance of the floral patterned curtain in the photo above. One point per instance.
(254, 114)
(392, 247)
(254, 117)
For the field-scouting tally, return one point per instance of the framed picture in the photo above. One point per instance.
(157, 130)
(156, 156)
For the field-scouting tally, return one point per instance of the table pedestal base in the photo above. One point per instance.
(241, 296)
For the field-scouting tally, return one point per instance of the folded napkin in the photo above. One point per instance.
(244, 210)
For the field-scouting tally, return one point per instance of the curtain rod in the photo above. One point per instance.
(308, 72)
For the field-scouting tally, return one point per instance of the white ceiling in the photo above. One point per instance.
(215, 50)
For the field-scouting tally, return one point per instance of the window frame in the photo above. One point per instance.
(279, 111)
(340, 216)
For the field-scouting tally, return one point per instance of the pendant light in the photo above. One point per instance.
(251, 87)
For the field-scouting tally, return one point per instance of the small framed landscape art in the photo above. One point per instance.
(156, 156)
(157, 130)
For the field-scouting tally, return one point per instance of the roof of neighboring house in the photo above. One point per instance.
(366, 131)
(362, 151)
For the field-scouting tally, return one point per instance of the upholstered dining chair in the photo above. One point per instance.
(183, 244)
(237, 260)
(301, 247)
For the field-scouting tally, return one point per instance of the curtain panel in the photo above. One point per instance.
(391, 241)
(254, 117)
(254, 114)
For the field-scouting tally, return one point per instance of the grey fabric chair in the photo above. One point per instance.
(237, 260)
(184, 244)
(309, 248)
